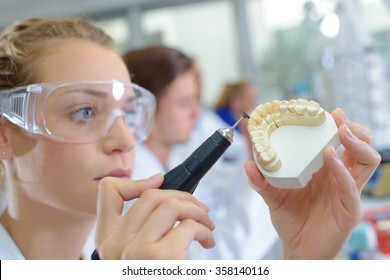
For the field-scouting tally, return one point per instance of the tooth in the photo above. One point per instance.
(271, 122)
(270, 160)
(262, 146)
(275, 105)
(267, 156)
(269, 119)
(273, 166)
(284, 106)
(278, 119)
(261, 110)
(259, 137)
(258, 133)
(291, 105)
(316, 113)
(251, 125)
(255, 116)
(313, 108)
(266, 127)
(300, 107)
(268, 108)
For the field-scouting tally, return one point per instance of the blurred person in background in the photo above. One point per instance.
(180, 126)
(237, 97)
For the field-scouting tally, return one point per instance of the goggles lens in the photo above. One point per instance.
(85, 111)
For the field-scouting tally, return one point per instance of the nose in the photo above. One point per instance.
(119, 138)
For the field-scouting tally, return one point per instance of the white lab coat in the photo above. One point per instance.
(8, 249)
(243, 225)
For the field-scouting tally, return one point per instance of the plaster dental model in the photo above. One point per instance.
(288, 139)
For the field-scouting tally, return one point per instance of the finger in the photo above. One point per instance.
(338, 116)
(174, 245)
(168, 213)
(181, 237)
(260, 185)
(349, 193)
(111, 195)
(254, 175)
(360, 132)
(147, 203)
(339, 171)
(365, 158)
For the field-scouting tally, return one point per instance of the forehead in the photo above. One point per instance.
(75, 59)
(184, 85)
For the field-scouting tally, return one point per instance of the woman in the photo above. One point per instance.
(70, 168)
(235, 98)
(52, 175)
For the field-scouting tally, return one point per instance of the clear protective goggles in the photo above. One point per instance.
(79, 112)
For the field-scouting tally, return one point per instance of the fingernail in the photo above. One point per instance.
(205, 206)
(343, 116)
(155, 177)
(349, 133)
(334, 153)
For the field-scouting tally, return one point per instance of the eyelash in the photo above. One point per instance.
(80, 109)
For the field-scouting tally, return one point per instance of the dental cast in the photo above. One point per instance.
(266, 118)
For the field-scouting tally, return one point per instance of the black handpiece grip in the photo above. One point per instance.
(186, 176)
(179, 178)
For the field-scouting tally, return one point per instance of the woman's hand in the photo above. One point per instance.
(315, 222)
(149, 230)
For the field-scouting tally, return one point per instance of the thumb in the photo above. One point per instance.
(259, 183)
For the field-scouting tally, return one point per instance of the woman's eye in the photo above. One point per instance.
(83, 114)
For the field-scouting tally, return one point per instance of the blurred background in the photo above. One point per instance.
(336, 52)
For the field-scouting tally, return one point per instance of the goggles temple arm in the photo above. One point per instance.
(14, 107)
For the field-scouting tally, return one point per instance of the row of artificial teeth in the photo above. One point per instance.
(266, 118)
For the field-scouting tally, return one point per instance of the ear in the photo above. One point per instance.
(6, 150)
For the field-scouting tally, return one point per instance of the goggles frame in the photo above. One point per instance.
(19, 106)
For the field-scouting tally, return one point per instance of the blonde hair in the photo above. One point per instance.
(24, 42)
(229, 92)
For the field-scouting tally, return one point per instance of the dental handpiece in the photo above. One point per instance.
(186, 176)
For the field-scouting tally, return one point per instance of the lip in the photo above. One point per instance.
(117, 173)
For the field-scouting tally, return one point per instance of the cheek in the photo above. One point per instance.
(176, 120)
(55, 166)
(60, 175)
(70, 163)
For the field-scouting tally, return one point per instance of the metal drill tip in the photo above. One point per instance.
(245, 115)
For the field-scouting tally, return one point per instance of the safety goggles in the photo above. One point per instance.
(79, 112)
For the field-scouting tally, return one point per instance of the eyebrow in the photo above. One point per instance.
(97, 93)
(101, 94)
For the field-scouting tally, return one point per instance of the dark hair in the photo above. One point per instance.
(155, 67)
